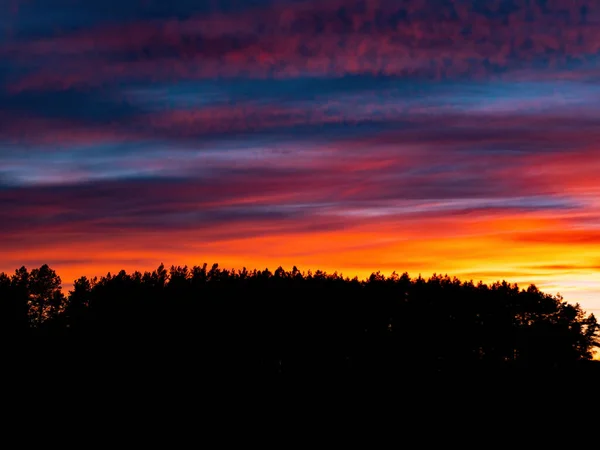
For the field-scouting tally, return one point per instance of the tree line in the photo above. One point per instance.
(211, 320)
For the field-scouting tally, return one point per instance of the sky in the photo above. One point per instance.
(421, 136)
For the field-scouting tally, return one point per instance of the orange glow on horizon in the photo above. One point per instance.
(479, 248)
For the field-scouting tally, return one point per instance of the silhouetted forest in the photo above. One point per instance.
(213, 321)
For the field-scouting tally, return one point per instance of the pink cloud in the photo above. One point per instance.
(316, 38)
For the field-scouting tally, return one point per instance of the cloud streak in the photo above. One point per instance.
(289, 39)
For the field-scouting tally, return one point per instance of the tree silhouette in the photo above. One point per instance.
(46, 299)
(199, 321)
(77, 307)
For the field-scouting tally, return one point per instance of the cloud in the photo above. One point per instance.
(567, 267)
(470, 115)
(309, 38)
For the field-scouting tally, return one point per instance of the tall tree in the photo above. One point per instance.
(79, 301)
(46, 299)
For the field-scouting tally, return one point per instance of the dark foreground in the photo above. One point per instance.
(183, 325)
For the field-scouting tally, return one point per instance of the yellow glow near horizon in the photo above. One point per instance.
(525, 250)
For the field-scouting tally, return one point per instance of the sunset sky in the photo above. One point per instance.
(419, 136)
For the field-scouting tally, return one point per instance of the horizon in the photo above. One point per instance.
(424, 137)
(67, 285)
